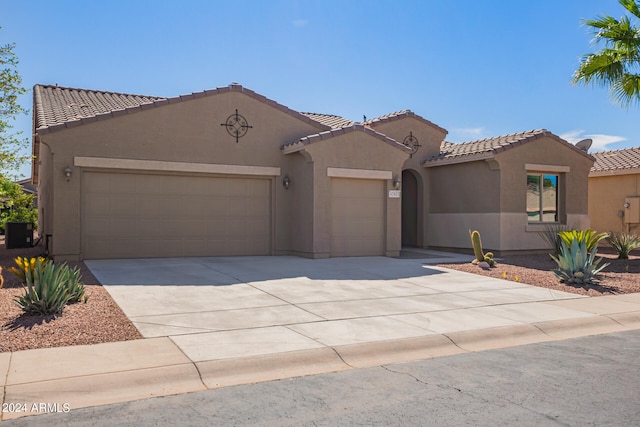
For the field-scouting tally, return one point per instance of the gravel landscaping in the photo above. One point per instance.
(101, 320)
(96, 321)
(620, 277)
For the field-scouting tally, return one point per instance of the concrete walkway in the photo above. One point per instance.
(214, 322)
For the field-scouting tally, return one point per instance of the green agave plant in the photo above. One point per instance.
(576, 264)
(75, 288)
(590, 237)
(49, 288)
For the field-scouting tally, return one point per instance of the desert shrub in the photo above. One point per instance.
(550, 235)
(576, 264)
(589, 237)
(49, 287)
(623, 243)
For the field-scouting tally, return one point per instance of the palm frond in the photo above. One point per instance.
(632, 6)
(617, 64)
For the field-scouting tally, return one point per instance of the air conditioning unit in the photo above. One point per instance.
(18, 235)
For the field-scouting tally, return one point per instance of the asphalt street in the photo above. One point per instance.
(591, 381)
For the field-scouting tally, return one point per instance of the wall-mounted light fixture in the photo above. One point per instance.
(627, 205)
(286, 182)
(67, 172)
(396, 182)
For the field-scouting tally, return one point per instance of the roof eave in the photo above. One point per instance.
(614, 172)
(458, 159)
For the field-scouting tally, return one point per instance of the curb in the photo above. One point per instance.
(126, 382)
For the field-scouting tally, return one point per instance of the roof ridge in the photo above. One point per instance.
(616, 150)
(474, 150)
(396, 115)
(58, 107)
(530, 132)
(389, 115)
(321, 114)
(332, 121)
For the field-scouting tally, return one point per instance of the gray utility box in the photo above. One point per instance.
(18, 235)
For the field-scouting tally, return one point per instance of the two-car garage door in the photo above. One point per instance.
(128, 215)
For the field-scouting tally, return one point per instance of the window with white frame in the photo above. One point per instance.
(542, 197)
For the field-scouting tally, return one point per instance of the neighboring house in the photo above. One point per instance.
(228, 172)
(30, 188)
(614, 191)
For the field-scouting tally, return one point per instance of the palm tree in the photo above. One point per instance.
(617, 65)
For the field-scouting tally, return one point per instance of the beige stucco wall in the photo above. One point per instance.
(428, 136)
(490, 196)
(544, 151)
(187, 131)
(606, 198)
(353, 150)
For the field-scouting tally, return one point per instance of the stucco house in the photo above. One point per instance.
(614, 191)
(228, 172)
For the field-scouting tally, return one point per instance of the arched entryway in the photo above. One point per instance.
(409, 208)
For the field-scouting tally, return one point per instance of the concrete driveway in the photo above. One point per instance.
(221, 308)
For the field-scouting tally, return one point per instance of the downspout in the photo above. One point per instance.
(38, 140)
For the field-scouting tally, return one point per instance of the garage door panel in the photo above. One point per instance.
(122, 227)
(357, 217)
(121, 204)
(146, 215)
(96, 205)
(120, 184)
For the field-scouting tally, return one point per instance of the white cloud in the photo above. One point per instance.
(299, 23)
(466, 134)
(600, 141)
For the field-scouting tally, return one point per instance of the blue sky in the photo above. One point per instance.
(477, 68)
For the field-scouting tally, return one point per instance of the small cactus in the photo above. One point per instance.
(477, 249)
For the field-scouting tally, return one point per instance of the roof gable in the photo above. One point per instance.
(398, 115)
(58, 107)
(489, 147)
(299, 144)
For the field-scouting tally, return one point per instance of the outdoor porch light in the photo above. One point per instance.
(286, 181)
(67, 173)
(396, 182)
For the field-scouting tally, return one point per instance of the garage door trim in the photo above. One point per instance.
(164, 166)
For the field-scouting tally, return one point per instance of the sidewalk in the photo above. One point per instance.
(294, 325)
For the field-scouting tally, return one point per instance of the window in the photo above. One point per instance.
(542, 197)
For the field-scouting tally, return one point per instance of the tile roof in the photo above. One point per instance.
(477, 150)
(300, 143)
(334, 122)
(399, 115)
(616, 160)
(56, 105)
